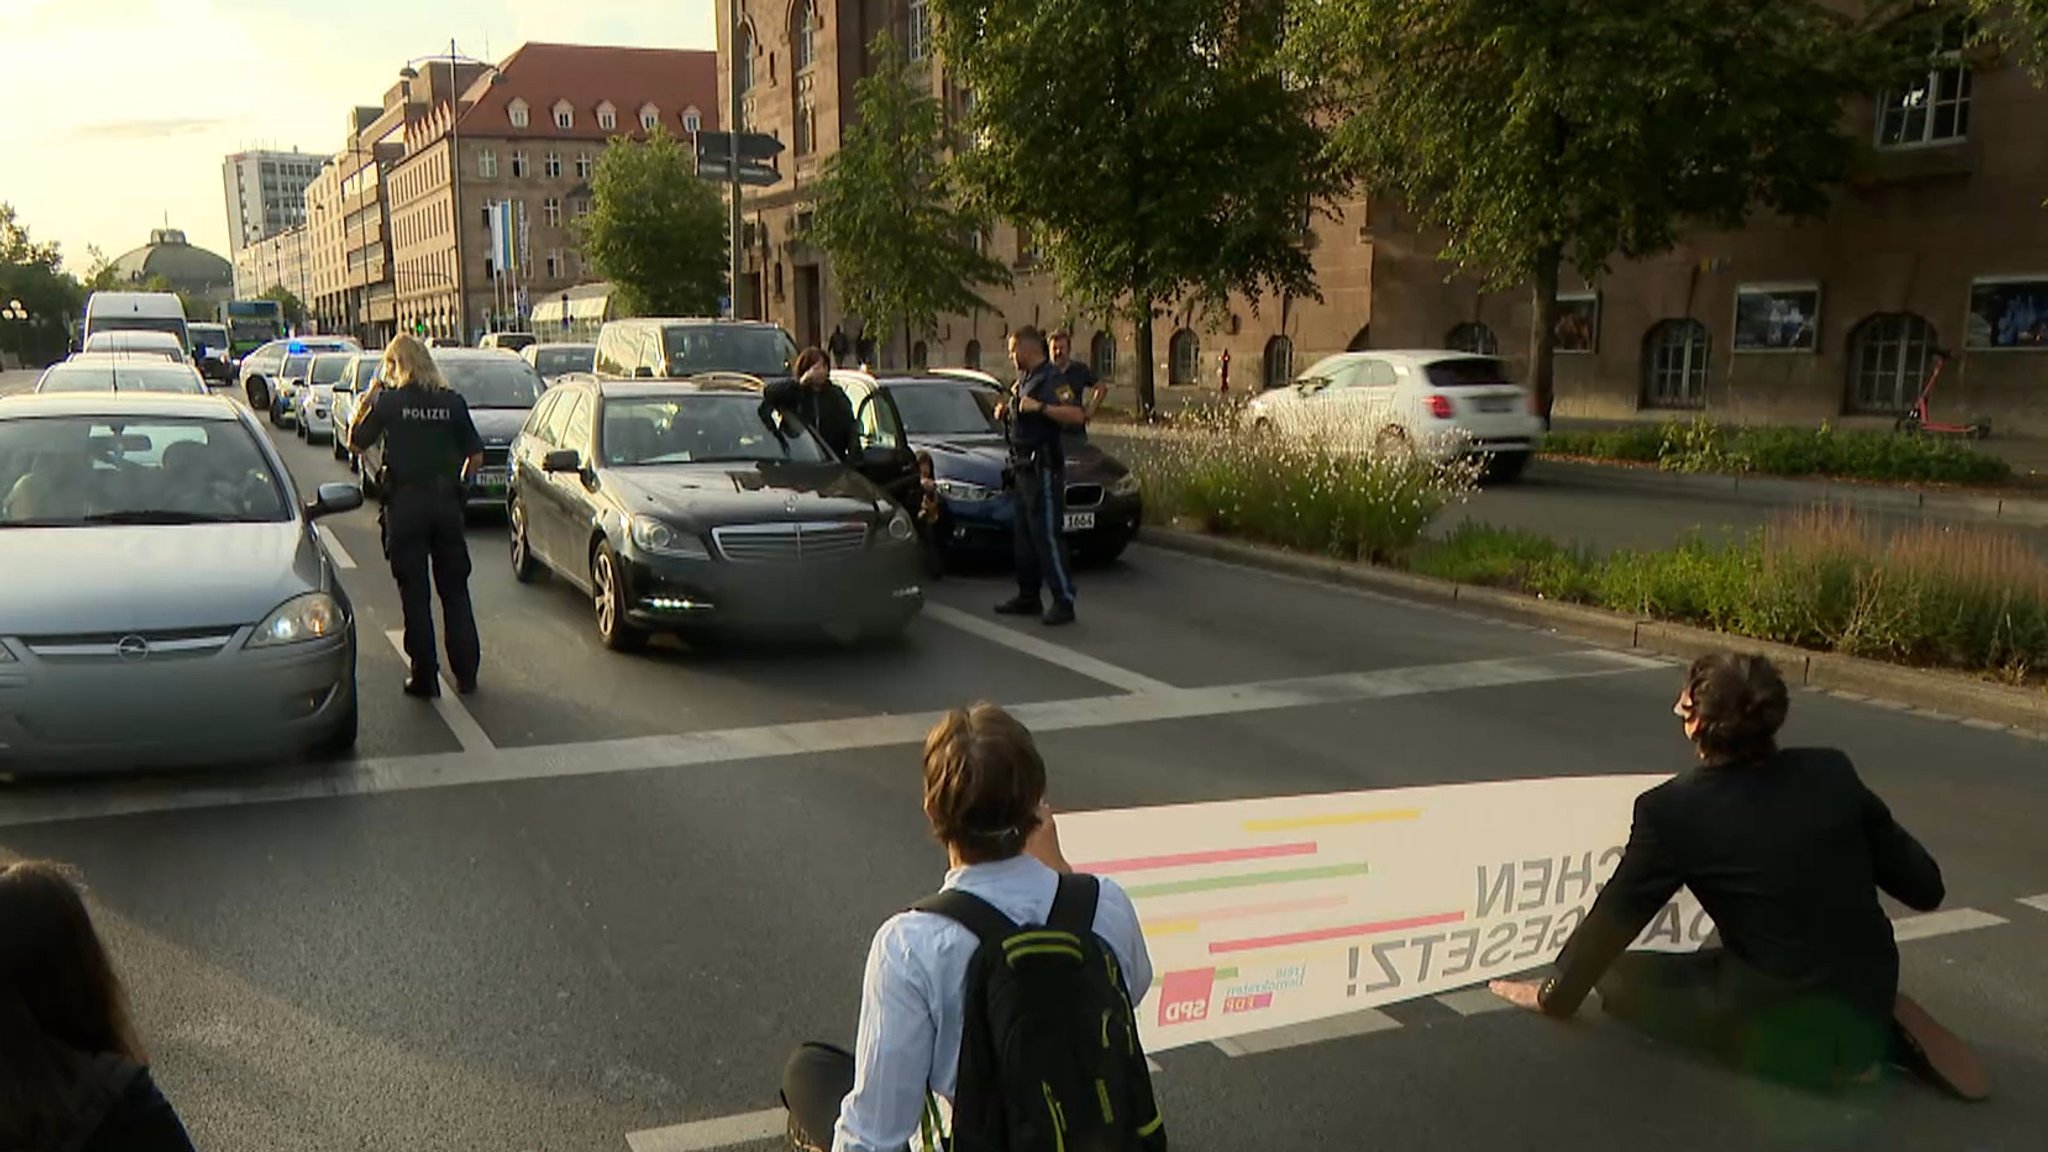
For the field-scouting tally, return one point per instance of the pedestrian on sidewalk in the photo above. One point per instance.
(940, 977)
(1088, 389)
(1787, 850)
(1036, 415)
(434, 452)
(73, 1076)
(838, 345)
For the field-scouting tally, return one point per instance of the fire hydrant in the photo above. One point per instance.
(1224, 365)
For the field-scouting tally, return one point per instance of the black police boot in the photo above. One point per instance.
(465, 687)
(1020, 605)
(1061, 612)
(423, 686)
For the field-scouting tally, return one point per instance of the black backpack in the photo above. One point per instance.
(1049, 1054)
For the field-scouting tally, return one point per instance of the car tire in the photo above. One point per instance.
(525, 568)
(1393, 444)
(371, 488)
(259, 394)
(339, 449)
(1507, 467)
(608, 599)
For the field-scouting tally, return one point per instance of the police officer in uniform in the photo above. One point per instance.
(1038, 409)
(432, 450)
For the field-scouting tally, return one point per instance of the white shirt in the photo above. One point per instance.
(913, 996)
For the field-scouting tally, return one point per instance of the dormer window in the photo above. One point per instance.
(607, 116)
(650, 117)
(518, 112)
(693, 121)
(565, 115)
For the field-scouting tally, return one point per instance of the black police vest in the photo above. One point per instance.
(423, 440)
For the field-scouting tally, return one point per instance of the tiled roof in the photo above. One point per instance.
(584, 75)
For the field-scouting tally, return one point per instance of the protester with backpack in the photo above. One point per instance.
(1011, 992)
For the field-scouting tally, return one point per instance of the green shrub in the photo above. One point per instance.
(1927, 594)
(1700, 445)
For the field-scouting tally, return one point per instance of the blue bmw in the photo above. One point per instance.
(951, 416)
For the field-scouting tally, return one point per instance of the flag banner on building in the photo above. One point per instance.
(1270, 912)
(501, 235)
(525, 240)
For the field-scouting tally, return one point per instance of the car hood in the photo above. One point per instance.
(707, 495)
(981, 459)
(63, 581)
(498, 426)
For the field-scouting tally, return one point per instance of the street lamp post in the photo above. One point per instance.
(15, 313)
(411, 72)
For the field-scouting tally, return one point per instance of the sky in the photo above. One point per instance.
(121, 111)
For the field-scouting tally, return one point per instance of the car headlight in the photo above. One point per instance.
(654, 536)
(1125, 485)
(313, 616)
(899, 527)
(966, 493)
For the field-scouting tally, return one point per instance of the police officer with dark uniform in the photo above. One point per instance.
(432, 450)
(1038, 409)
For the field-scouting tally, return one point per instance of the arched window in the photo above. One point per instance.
(972, 357)
(1888, 358)
(1102, 355)
(803, 23)
(743, 59)
(1279, 362)
(1472, 337)
(1183, 358)
(1675, 365)
(920, 356)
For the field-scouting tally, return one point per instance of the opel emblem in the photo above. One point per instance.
(790, 506)
(132, 648)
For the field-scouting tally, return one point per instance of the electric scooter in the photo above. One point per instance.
(1916, 420)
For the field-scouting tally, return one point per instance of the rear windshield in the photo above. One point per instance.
(1468, 372)
(556, 361)
(493, 381)
(757, 351)
(137, 376)
(328, 369)
(294, 367)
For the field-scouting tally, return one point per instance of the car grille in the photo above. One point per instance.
(497, 457)
(790, 543)
(184, 643)
(1084, 495)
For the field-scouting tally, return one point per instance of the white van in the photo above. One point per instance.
(136, 311)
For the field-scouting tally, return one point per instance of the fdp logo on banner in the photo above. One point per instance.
(1262, 913)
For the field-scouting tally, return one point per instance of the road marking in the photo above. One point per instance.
(1943, 923)
(2037, 903)
(488, 765)
(717, 1132)
(1057, 654)
(1472, 1001)
(468, 733)
(335, 551)
(1312, 1032)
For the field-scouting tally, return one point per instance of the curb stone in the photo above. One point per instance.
(1935, 694)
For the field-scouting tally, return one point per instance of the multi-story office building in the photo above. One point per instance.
(266, 194)
(284, 260)
(529, 132)
(1940, 240)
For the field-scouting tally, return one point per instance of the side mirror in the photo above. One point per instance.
(331, 498)
(878, 456)
(562, 460)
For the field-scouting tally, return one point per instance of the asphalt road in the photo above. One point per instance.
(608, 894)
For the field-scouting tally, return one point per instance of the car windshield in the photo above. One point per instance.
(175, 329)
(699, 429)
(757, 351)
(294, 367)
(328, 369)
(1467, 373)
(514, 341)
(121, 376)
(209, 336)
(946, 409)
(82, 471)
(493, 381)
(556, 361)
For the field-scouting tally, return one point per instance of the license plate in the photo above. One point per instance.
(492, 478)
(1497, 404)
(1080, 521)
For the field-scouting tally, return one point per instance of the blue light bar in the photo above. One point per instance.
(295, 348)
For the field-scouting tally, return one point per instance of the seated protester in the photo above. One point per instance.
(957, 970)
(819, 403)
(1787, 850)
(72, 1074)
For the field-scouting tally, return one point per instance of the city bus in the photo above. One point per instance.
(251, 324)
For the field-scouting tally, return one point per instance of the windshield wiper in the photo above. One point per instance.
(163, 516)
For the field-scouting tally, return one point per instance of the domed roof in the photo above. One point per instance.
(168, 254)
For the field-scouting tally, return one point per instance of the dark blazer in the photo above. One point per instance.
(825, 411)
(1788, 856)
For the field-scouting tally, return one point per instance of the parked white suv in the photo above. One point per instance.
(1443, 405)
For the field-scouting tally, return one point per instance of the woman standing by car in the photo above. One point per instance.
(72, 1074)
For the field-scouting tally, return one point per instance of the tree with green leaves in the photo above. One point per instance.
(100, 273)
(32, 274)
(1534, 133)
(901, 246)
(1156, 146)
(289, 303)
(656, 230)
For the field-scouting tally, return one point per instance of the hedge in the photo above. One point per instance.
(1703, 446)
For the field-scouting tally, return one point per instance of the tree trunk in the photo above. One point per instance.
(1543, 335)
(1147, 398)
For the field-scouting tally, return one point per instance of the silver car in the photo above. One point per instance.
(166, 599)
(120, 372)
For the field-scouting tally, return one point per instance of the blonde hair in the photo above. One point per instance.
(983, 782)
(408, 362)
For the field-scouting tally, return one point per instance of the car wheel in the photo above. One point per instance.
(371, 488)
(525, 568)
(339, 449)
(1393, 444)
(259, 394)
(608, 597)
(1507, 467)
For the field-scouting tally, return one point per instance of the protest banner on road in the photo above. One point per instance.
(1275, 911)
